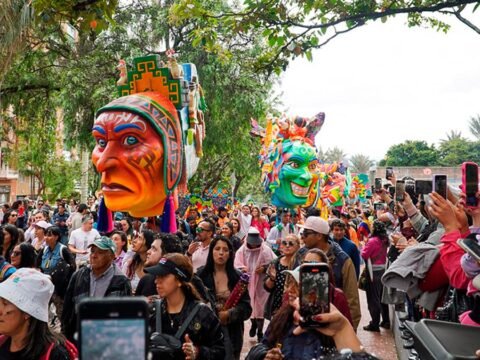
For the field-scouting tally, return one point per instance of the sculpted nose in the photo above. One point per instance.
(106, 159)
(306, 175)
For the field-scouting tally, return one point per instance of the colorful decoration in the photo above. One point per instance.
(288, 158)
(240, 288)
(142, 150)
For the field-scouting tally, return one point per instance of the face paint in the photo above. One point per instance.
(297, 176)
(129, 156)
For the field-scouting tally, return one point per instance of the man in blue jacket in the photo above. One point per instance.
(338, 229)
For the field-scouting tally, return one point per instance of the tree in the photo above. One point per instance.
(293, 28)
(361, 163)
(411, 153)
(453, 135)
(334, 155)
(458, 150)
(474, 125)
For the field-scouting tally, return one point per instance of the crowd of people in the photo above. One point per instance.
(228, 267)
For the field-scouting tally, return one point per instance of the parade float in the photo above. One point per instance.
(149, 140)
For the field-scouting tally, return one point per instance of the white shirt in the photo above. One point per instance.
(80, 240)
(245, 222)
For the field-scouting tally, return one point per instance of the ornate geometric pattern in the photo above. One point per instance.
(148, 75)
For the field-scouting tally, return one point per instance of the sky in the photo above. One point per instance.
(382, 84)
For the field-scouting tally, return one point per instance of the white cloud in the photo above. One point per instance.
(385, 83)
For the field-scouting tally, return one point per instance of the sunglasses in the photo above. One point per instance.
(13, 215)
(16, 253)
(289, 243)
(200, 229)
(306, 233)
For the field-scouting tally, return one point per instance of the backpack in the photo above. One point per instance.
(62, 273)
(71, 349)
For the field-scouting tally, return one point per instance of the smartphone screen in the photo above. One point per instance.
(378, 184)
(471, 184)
(391, 190)
(113, 328)
(423, 187)
(314, 292)
(400, 190)
(471, 246)
(410, 189)
(440, 185)
(388, 173)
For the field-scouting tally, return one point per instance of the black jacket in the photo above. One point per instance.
(237, 315)
(79, 287)
(204, 330)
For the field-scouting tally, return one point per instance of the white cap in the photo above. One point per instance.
(295, 273)
(42, 224)
(30, 291)
(317, 224)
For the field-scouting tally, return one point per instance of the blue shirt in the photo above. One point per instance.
(51, 257)
(352, 251)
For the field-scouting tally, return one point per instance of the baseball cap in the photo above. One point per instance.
(165, 267)
(104, 243)
(317, 224)
(30, 291)
(253, 237)
(43, 224)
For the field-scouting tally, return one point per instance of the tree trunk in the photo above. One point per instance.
(237, 185)
(85, 162)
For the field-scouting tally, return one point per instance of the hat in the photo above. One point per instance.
(165, 267)
(317, 224)
(118, 216)
(43, 224)
(295, 273)
(253, 237)
(30, 291)
(222, 208)
(104, 243)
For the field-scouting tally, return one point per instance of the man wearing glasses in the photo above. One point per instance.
(281, 231)
(198, 249)
(315, 235)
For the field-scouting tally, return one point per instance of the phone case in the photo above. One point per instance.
(464, 180)
(436, 339)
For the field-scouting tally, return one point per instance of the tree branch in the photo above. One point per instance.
(28, 87)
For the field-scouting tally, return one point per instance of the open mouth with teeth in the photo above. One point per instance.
(300, 191)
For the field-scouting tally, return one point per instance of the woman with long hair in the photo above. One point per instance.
(24, 300)
(10, 240)
(121, 241)
(227, 231)
(259, 222)
(24, 256)
(133, 268)
(202, 338)
(220, 278)
(236, 227)
(375, 255)
(275, 280)
(10, 217)
(127, 228)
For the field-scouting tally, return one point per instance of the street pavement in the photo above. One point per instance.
(380, 344)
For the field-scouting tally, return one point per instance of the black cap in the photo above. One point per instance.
(165, 267)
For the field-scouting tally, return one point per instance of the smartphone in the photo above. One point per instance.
(400, 190)
(378, 206)
(391, 190)
(378, 184)
(388, 173)
(440, 185)
(471, 246)
(314, 292)
(470, 183)
(410, 189)
(423, 187)
(113, 328)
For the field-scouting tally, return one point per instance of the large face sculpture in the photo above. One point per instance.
(137, 152)
(297, 176)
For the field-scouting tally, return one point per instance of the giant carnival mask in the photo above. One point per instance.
(149, 140)
(290, 169)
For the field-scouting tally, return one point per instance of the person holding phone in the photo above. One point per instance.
(220, 278)
(203, 337)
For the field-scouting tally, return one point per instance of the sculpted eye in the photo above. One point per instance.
(313, 166)
(293, 164)
(130, 140)
(101, 143)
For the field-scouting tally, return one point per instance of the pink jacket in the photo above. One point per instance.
(450, 255)
(375, 250)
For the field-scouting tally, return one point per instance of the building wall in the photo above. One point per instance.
(454, 174)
